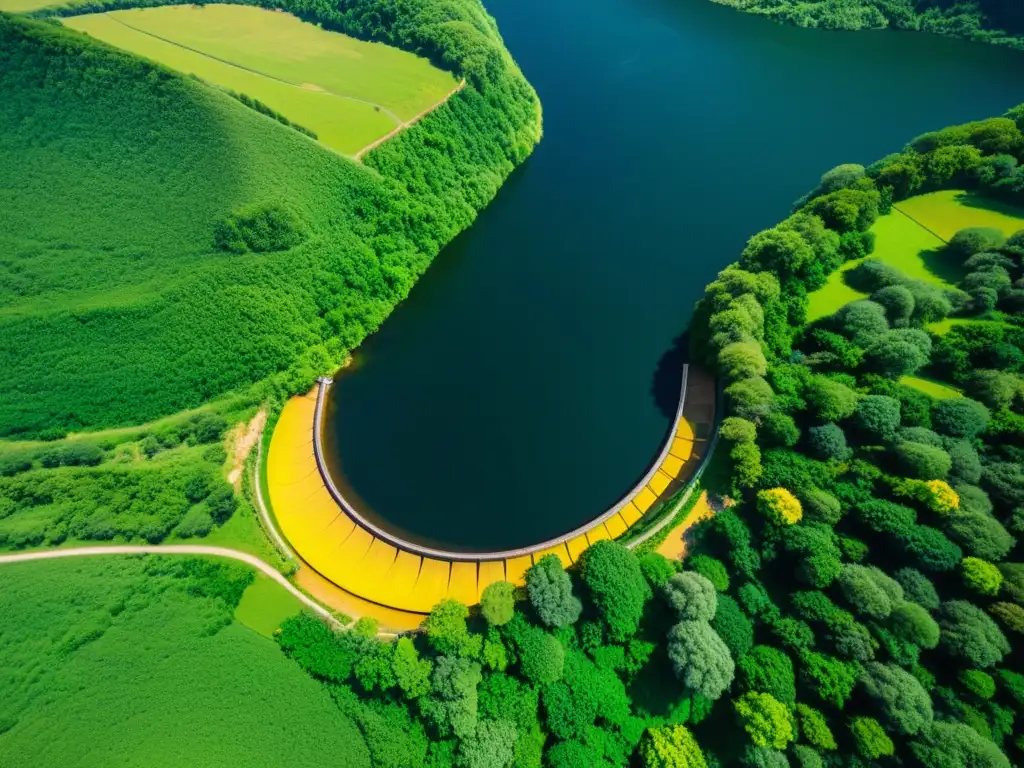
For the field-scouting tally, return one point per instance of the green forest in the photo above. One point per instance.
(991, 21)
(189, 257)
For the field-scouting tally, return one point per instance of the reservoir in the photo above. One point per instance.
(528, 381)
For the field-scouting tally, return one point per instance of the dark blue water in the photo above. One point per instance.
(511, 397)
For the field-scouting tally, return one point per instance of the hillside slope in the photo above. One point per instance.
(123, 299)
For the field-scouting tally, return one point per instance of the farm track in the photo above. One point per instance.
(177, 549)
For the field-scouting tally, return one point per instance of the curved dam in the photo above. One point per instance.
(367, 560)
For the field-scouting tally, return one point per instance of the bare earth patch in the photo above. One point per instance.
(241, 442)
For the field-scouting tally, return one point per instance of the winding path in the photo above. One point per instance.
(177, 549)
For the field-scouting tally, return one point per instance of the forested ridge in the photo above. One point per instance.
(109, 324)
(991, 21)
(857, 601)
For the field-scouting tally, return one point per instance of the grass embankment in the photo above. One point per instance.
(264, 605)
(216, 693)
(911, 238)
(348, 92)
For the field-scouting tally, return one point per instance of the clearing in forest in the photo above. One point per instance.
(348, 92)
(911, 239)
(265, 604)
(936, 389)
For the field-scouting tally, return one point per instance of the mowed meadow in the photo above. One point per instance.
(346, 91)
(911, 239)
(138, 662)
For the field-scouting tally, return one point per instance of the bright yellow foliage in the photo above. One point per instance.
(942, 498)
(780, 506)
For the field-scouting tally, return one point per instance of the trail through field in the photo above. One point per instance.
(303, 86)
(402, 126)
(176, 549)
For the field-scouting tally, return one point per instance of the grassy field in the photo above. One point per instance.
(929, 387)
(89, 631)
(942, 327)
(348, 92)
(900, 242)
(264, 605)
(911, 239)
(947, 212)
(21, 6)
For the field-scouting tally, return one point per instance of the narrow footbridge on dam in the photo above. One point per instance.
(339, 543)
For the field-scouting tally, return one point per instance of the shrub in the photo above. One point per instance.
(711, 569)
(830, 679)
(779, 429)
(912, 623)
(977, 682)
(779, 506)
(412, 674)
(828, 442)
(814, 728)
(861, 588)
(259, 228)
(886, 517)
(815, 544)
(700, 659)
(446, 629)
(894, 357)
(750, 398)
(829, 400)
(970, 635)
(550, 591)
(960, 417)
(74, 453)
(738, 430)
(733, 626)
(932, 550)
(1013, 581)
(691, 596)
(980, 535)
(906, 706)
(877, 417)
(972, 240)
(670, 746)
(820, 506)
(616, 587)
(955, 745)
(1005, 482)
(862, 321)
(541, 656)
(966, 467)
(741, 360)
(870, 738)
(898, 302)
(765, 719)
(1010, 615)
(923, 462)
(768, 670)
(656, 568)
(807, 757)
(918, 588)
(498, 603)
(981, 576)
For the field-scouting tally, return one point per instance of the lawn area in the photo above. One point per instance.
(947, 212)
(942, 327)
(284, 47)
(21, 6)
(265, 604)
(137, 662)
(900, 242)
(929, 387)
(343, 124)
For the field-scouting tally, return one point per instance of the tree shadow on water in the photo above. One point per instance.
(668, 376)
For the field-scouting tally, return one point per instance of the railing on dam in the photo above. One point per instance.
(477, 557)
